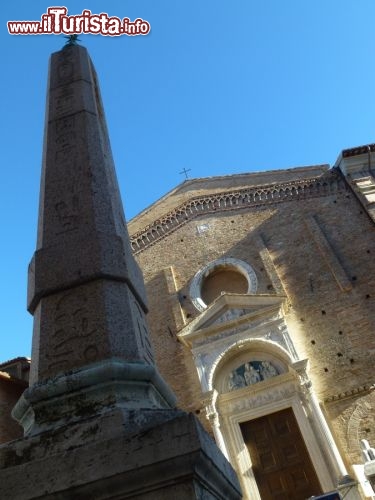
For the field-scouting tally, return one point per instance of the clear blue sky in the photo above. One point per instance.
(218, 87)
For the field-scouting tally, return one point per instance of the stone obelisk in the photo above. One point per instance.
(99, 420)
(85, 290)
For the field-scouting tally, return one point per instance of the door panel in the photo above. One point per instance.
(281, 464)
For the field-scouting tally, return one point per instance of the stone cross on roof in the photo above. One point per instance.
(185, 171)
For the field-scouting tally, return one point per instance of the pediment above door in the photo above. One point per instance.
(229, 311)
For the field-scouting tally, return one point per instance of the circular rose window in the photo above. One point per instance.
(226, 275)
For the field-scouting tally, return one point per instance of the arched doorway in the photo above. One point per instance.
(263, 419)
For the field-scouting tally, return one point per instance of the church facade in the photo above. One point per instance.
(261, 297)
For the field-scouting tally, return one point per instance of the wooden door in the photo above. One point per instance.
(281, 464)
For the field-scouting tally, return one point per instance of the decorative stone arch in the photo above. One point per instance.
(229, 263)
(290, 389)
(265, 349)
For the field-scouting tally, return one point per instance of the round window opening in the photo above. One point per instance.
(226, 275)
(222, 279)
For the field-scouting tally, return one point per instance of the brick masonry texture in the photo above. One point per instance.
(331, 325)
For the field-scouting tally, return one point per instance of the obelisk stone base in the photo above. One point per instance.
(107, 387)
(175, 459)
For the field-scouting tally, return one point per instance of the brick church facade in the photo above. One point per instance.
(261, 295)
